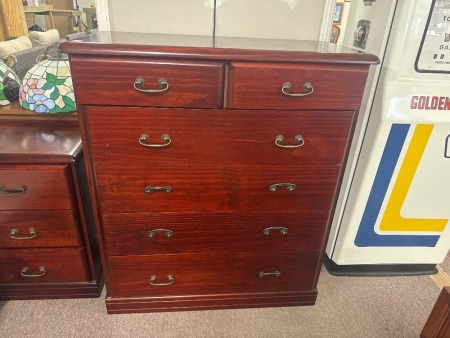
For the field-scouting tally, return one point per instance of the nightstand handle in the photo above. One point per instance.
(14, 234)
(162, 82)
(150, 189)
(298, 139)
(153, 278)
(20, 190)
(263, 274)
(289, 186)
(152, 233)
(143, 139)
(283, 230)
(25, 271)
(307, 87)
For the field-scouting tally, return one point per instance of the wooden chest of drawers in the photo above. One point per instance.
(213, 170)
(48, 245)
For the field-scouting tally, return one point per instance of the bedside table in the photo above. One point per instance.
(48, 245)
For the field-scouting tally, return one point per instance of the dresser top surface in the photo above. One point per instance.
(28, 141)
(220, 48)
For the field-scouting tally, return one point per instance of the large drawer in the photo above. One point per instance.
(39, 228)
(217, 136)
(194, 84)
(259, 86)
(36, 187)
(159, 233)
(203, 274)
(177, 187)
(44, 266)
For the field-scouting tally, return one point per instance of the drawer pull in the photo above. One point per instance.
(307, 87)
(25, 272)
(149, 189)
(263, 274)
(143, 139)
(152, 233)
(299, 141)
(14, 234)
(20, 190)
(283, 230)
(140, 82)
(289, 186)
(170, 280)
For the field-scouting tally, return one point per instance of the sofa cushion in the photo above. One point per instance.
(44, 38)
(15, 45)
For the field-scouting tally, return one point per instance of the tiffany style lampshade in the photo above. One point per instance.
(47, 87)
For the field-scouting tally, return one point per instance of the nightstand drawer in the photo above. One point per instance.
(202, 187)
(44, 266)
(317, 137)
(162, 233)
(261, 86)
(39, 228)
(36, 187)
(195, 274)
(168, 83)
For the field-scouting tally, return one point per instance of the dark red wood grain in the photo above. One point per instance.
(53, 228)
(196, 232)
(46, 187)
(61, 265)
(138, 45)
(46, 141)
(258, 86)
(222, 112)
(203, 274)
(220, 136)
(191, 84)
(43, 154)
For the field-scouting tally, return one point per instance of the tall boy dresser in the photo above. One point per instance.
(48, 244)
(213, 164)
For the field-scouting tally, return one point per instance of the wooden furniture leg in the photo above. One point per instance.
(438, 323)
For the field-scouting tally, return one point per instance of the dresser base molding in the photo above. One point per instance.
(210, 302)
(91, 289)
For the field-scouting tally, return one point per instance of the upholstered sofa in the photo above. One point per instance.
(21, 53)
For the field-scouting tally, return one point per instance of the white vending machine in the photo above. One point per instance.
(393, 212)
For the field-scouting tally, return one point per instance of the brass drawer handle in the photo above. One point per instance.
(143, 139)
(20, 190)
(298, 139)
(25, 271)
(170, 280)
(14, 234)
(289, 186)
(268, 230)
(150, 189)
(263, 274)
(307, 87)
(140, 82)
(152, 233)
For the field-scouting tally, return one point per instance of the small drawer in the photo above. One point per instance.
(218, 136)
(202, 187)
(36, 187)
(39, 228)
(44, 266)
(261, 86)
(203, 274)
(187, 83)
(162, 233)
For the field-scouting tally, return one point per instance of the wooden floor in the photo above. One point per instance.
(441, 278)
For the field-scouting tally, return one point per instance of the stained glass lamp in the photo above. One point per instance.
(9, 85)
(47, 87)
